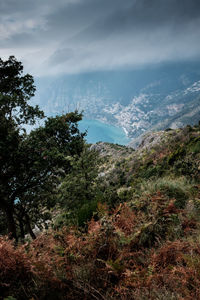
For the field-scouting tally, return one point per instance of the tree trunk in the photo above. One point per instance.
(21, 226)
(32, 234)
(11, 224)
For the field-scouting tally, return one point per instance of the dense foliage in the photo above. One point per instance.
(31, 164)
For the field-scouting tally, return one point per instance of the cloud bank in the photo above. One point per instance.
(72, 36)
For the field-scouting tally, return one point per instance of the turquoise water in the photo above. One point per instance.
(98, 131)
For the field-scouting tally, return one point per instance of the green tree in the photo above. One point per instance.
(31, 164)
(45, 151)
(80, 189)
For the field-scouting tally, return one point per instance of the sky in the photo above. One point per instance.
(72, 36)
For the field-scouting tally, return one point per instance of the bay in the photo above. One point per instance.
(98, 131)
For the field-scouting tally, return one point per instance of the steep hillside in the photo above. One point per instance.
(163, 153)
(141, 240)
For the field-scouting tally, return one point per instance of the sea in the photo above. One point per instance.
(98, 131)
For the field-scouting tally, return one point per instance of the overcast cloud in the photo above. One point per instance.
(67, 36)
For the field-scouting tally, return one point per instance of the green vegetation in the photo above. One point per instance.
(30, 163)
(122, 224)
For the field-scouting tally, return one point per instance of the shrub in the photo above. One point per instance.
(16, 274)
(177, 154)
(86, 212)
(179, 189)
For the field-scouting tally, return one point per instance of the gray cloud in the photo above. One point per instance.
(83, 35)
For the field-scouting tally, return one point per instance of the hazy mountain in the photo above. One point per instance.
(140, 100)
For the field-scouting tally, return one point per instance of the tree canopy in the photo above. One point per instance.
(31, 164)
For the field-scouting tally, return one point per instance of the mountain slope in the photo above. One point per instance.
(141, 240)
(135, 100)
